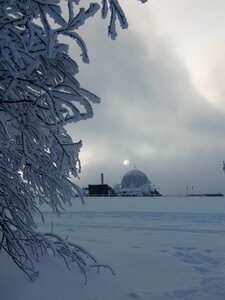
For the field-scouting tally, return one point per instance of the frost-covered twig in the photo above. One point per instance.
(39, 95)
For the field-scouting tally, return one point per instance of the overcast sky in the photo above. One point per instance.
(161, 85)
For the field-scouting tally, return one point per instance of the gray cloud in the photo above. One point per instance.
(150, 114)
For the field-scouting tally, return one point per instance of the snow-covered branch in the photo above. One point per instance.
(39, 95)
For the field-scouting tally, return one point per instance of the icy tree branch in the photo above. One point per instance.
(39, 95)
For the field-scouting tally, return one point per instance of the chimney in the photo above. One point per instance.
(102, 178)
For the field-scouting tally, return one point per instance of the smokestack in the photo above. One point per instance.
(102, 178)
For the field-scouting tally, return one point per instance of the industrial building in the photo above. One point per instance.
(134, 183)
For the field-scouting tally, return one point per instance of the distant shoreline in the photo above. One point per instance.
(207, 195)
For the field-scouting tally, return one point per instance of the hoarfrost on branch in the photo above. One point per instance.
(39, 95)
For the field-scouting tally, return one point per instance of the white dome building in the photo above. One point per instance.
(135, 183)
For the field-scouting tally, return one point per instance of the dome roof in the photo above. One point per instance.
(134, 178)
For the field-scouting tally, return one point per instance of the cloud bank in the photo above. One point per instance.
(151, 113)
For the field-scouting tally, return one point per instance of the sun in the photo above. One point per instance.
(126, 162)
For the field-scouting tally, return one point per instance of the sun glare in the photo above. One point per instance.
(126, 162)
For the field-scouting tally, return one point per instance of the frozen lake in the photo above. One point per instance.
(160, 248)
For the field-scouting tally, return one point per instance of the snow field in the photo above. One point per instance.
(160, 249)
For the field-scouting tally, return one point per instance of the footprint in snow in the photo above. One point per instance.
(134, 296)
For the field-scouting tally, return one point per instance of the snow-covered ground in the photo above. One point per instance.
(160, 249)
